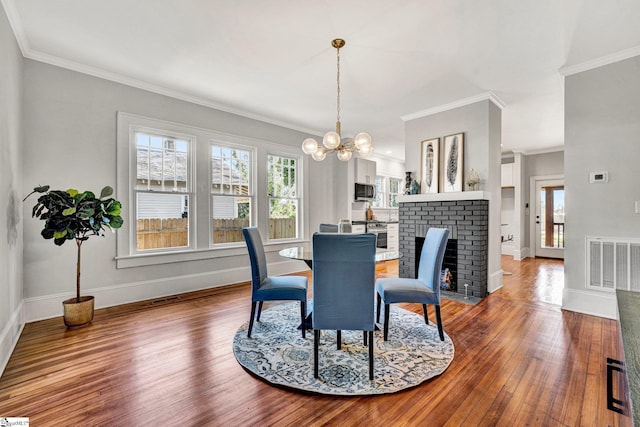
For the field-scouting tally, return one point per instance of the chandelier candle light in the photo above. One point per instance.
(332, 141)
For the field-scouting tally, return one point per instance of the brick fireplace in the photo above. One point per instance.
(468, 224)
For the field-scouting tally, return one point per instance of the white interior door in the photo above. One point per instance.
(549, 218)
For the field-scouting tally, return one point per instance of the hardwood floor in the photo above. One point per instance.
(520, 360)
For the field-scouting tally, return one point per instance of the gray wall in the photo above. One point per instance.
(481, 122)
(70, 141)
(602, 133)
(11, 86)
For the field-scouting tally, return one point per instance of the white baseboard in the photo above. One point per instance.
(9, 336)
(495, 281)
(590, 302)
(508, 249)
(49, 306)
(517, 254)
(520, 254)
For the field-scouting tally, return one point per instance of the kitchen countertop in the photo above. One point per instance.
(629, 313)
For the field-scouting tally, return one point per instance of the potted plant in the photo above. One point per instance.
(71, 215)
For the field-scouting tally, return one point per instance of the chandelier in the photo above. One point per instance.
(332, 141)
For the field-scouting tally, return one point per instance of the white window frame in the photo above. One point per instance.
(386, 190)
(389, 193)
(252, 185)
(299, 191)
(134, 191)
(200, 214)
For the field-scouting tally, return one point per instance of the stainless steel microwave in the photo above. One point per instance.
(365, 192)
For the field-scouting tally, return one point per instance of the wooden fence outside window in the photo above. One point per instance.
(157, 233)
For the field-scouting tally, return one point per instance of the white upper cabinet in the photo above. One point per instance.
(365, 171)
(507, 175)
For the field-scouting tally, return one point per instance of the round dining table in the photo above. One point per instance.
(304, 252)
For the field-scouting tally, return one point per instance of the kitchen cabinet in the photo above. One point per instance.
(507, 175)
(365, 171)
(393, 236)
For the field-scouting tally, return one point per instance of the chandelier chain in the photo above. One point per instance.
(338, 81)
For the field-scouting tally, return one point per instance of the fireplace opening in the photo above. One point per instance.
(449, 275)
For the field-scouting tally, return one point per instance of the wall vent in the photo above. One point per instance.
(165, 300)
(613, 263)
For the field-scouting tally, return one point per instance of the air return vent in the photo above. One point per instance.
(613, 263)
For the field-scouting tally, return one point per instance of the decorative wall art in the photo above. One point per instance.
(429, 165)
(452, 163)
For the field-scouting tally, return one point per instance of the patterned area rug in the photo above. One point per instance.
(277, 353)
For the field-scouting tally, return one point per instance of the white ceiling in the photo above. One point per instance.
(272, 59)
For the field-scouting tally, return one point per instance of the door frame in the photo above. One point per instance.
(533, 180)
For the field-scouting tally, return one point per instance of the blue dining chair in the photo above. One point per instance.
(344, 270)
(328, 228)
(275, 288)
(423, 290)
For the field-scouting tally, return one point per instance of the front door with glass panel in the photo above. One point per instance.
(549, 218)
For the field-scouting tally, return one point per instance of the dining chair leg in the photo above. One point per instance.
(253, 313)
(386, 321)
(316, 342)
(379, 299)
(303, 315)
(339, 339)
(371, 355)
(364, 337)
(259, 310)
(426, 313)
(439, 321)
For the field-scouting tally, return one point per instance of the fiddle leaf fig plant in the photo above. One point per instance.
(72, 215)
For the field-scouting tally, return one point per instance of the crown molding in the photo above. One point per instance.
(16, 25)
(456, 104)
(600, 62)
(161, 90)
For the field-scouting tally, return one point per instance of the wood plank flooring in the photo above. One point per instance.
(520, 360)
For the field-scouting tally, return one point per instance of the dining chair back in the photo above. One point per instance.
(328, 228)
(343, 287)
(274, 288)
(425, 289)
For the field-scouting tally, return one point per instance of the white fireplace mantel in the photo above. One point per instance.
(442, 197)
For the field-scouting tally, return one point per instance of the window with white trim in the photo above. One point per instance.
(380, 192)
(387, 190)
(231, 193)
(395, 188)
(176, 181)
(162, 191)
(283, 195)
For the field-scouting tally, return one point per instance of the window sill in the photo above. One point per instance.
(156, 258)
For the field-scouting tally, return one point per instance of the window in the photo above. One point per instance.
(231, 193)
(379, 201)
(387, 190)
(395, 185)
(162, 191)
(282, 191)
(187, 192)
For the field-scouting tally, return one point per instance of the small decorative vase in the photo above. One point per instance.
(407, 185)
(415, 187)
(473, 180)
